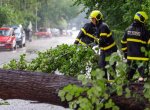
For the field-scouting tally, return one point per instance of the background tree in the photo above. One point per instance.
(7, 16)
(46, 13)
(57, 12)
(118, 14)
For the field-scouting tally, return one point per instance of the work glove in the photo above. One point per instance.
(92, 45)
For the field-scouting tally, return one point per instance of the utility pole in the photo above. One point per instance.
(36, 19)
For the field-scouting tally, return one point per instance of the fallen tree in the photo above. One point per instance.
(27, 85)
(44, 87)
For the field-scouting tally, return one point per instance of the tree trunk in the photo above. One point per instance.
(44, 87)
(136, 102)
(26, 85)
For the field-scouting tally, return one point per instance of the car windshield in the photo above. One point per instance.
(4, 32)
(17, 34)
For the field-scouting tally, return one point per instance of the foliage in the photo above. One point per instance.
(18, 11)
(118, 37)
(59, 11)
(7, 15)
(62, 24)
(49, 12)
(96, 91)
(46, 13)
(69, 60)
(147, 90)
(97, 95)
(117, 14)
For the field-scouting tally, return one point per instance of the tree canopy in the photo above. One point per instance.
(56, 13)
(45, 13)
(119, 14)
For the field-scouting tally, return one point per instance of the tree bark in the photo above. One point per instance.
(27, 85)
(136, 102)
(43, 87)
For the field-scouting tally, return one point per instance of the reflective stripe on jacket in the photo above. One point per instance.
(106, 40)
(87, 34)
(135, 42)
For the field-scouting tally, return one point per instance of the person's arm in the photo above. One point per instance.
(148, 37)
(78, 37)
(104, 37)
(82, 32)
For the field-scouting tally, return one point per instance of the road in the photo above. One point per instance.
(30, 51)
(32, 47)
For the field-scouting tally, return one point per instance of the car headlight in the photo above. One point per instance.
(9, 40)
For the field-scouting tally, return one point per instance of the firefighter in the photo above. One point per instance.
(87, 34)
(107, 44)
(135, 46)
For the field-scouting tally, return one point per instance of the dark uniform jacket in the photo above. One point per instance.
(106, 40)
(136, 36)
(86, 34)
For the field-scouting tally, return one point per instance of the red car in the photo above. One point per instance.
(43, 33)
(7, 38)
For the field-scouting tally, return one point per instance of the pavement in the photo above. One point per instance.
(17, 104)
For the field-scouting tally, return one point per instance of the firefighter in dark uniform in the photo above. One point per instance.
(135, 46)
(107, 44)
(87, 34)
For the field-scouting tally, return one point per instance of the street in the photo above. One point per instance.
(32, 47)
(30, 51)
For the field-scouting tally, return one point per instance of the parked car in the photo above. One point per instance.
(43, 33)
(20, 36)
(7, 38)
(55, 32)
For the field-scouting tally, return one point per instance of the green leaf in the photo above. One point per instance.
(83, 79)
(109, 104)
(147, 85)
(119, 90)
(147, 109)
(61, 94)
(69, 97)
(128, 94)
(115, 108)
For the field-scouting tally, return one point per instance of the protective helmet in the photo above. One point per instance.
(96, 14)
(141, 16)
